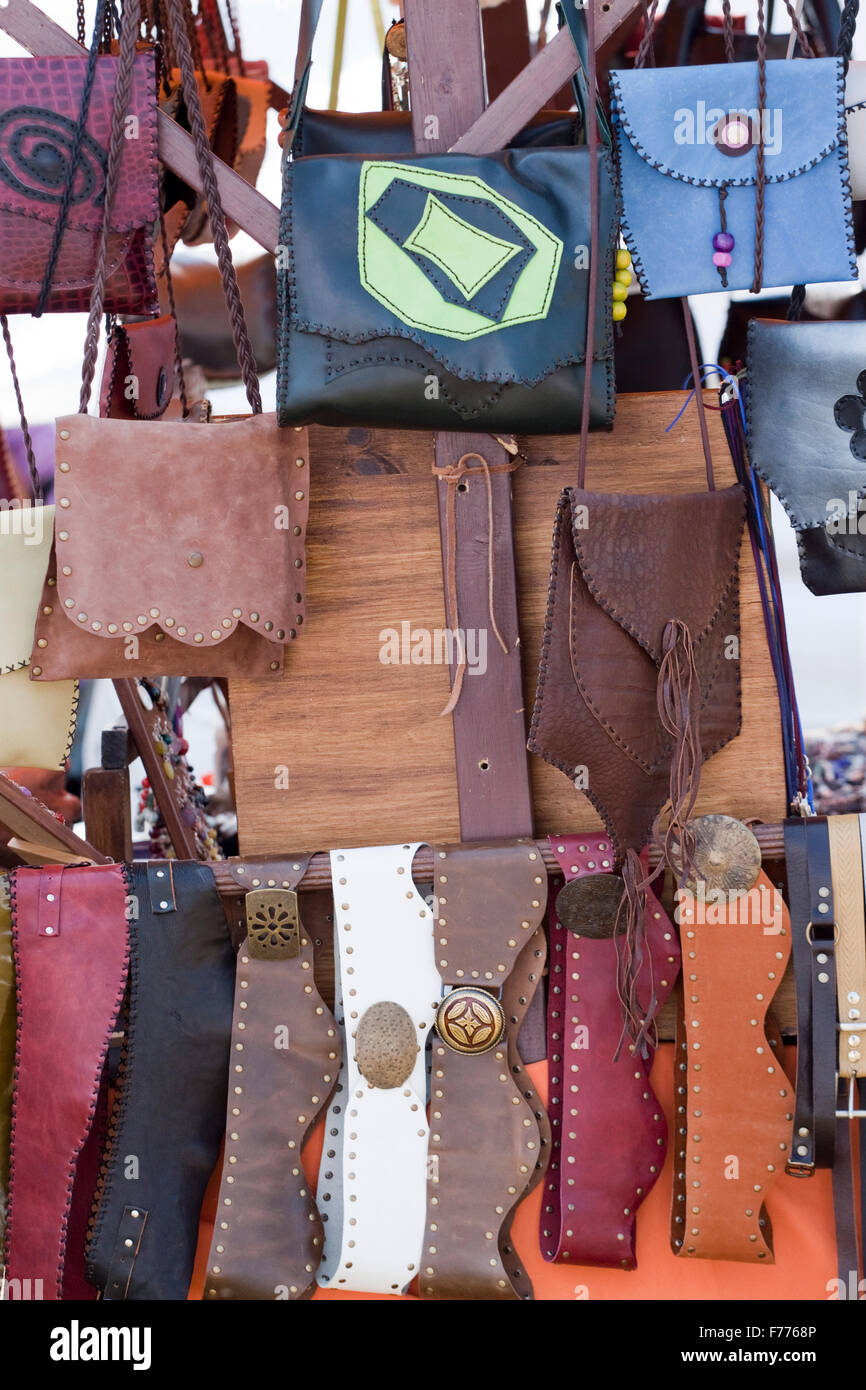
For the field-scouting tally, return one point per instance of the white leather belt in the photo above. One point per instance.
(372, 1191)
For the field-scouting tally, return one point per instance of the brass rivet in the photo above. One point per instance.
(195, 559)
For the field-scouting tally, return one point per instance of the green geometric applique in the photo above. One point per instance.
(391, 276)
(469, 256)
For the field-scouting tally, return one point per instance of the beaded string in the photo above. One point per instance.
(723, 242)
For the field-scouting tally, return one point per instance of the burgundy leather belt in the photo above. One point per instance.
(70, 935)
(609, 1131)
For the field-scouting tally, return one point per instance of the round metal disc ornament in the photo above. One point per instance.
(726, 854)
(470, 1020)
(589, 906)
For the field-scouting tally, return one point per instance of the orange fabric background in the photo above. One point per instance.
(801, 1210)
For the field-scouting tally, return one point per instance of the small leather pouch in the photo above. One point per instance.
(39, 105)
(220, 584)
(627, 572)
(806, 412)
(676, 162)
(138, 376)
(70, 941)
(36, 726)
(165, 1132)
(186, 210)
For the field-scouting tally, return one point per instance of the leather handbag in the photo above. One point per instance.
(138, 375)
(55, 126)
(443, 291)
(37, 725)
(711, 191)
(806, 415)
(638, 680)
(223, 580)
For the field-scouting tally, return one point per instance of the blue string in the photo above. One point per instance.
(708, 369)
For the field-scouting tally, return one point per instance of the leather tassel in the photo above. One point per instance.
(632, 958)
(679, 703)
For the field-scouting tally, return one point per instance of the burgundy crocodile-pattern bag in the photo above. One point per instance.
(40, 99)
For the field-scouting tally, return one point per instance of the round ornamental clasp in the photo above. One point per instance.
(470, 1020)
(734, 134)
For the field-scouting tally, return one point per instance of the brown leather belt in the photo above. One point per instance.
(488, 1147)
(285, 1056)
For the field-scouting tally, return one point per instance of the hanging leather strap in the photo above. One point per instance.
(813, 933)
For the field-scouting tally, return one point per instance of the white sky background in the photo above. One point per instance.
(828, 635)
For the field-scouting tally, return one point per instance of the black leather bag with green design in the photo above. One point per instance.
(444, 292)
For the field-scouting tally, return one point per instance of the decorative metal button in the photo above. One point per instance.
(273, 924)
(195, 559)
(470, 1020)
(734, 134)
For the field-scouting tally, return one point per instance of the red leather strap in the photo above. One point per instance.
(70, 933)
(609, 1132)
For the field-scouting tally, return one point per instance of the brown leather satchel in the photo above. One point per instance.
(138, 376)
(166, 562)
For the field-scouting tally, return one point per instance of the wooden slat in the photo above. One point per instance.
(29, 820)
(142, 724)
(107, 811)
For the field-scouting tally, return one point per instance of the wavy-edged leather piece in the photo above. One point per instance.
(596, 702)
(70, 940)
(208, 560)
(609, 1130)
(7, 1047)
(268, 1234)
(40, 100)
(733, 1097)
(61, 648)
(171, 1107)
(485, 1139)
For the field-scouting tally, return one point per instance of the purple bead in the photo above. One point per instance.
(723, 241)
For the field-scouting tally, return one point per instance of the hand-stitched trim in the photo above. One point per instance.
(845, 171)
(607, 607)
(333, 372)
(857, 106)
(637, 264)
(622, 123)
(73, 723)
(14, 666)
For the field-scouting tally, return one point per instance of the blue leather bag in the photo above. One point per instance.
(684, 154)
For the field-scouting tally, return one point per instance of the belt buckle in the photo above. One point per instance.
(794, 1169)
(470, 1020)
(273, 923)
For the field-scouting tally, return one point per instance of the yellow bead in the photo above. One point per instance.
(619, 311)
(623, 260)
(619, 291)
(623, 276)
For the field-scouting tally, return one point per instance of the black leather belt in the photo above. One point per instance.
(813, 930)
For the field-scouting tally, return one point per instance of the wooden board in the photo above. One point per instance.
(369, 760)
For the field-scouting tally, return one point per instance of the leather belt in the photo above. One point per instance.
(167, 1124)
(70, 936)
(734, 1101)
(813, 935)
(372, 1178)
(609, 1129)
(285, 1055)
(489, 1141)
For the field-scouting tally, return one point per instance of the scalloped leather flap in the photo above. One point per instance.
(191, 531)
